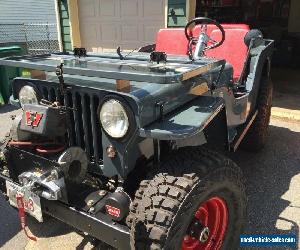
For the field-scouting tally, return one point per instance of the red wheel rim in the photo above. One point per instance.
(207, 230)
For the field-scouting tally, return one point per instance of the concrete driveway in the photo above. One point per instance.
(273, 185)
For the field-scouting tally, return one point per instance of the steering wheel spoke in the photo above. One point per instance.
(204, 28)
(203, 42)
(212, 40)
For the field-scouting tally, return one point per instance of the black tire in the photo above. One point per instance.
(165, 203)
(257, 135)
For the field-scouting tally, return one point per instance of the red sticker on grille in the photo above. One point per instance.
(113, 211)
(33, 119)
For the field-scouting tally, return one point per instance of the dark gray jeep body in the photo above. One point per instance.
(170, 105)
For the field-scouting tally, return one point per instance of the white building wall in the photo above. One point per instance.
(13, 13)
(28, 11)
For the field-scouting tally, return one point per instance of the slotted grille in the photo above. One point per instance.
(83, 128)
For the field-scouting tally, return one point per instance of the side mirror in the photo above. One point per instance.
(253, 35)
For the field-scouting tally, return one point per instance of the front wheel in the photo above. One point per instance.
(195, 200)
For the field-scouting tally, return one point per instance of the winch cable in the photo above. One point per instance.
(50, 151)
(28, 143)
(22, 215)
(39, 146)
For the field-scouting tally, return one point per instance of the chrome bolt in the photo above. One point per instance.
(54, 174)
(204, 235)
(5, 172)
(90, 203)
(102, 192)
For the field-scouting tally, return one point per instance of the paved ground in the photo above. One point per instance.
(273, 184)
(286, 103)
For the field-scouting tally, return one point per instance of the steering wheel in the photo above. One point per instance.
(202, 42)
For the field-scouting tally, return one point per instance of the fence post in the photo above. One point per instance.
(48, 37)
(26, 38)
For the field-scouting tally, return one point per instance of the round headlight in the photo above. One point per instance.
(114, 118)
(27, 95)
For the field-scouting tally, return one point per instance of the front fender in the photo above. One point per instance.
(186, 122)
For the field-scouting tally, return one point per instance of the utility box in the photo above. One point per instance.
(7, 74)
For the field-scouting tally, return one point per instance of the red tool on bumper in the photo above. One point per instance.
(20, 204)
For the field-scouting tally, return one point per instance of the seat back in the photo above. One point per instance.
(172, 41)
(233, 50)
(226, 26)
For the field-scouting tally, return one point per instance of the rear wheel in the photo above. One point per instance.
(256, 137)
(196, 200)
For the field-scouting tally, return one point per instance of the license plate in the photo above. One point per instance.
(32, 203)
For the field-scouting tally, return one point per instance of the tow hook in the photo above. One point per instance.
(22, 215)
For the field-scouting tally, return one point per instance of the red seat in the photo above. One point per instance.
(226, 26)
(172, 41)
(233, 50)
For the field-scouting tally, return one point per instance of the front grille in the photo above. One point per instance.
(83, 128)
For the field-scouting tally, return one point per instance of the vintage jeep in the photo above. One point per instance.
(130, 148)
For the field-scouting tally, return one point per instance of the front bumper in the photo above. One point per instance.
(97, 225)
(100, 227)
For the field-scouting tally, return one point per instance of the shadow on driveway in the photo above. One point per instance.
(7, 108)
(286, 88)
(273, 184)
(9, 222)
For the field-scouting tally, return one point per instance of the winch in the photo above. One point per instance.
(51, 183)
(42, 128)
(47, 119)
